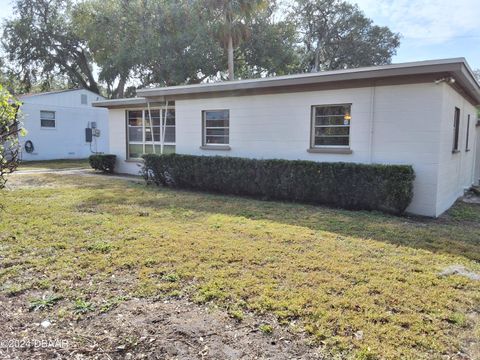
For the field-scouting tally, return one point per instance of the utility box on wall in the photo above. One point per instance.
(88, 135)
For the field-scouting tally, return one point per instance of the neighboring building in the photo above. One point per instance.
(56, 123)
(420, 113)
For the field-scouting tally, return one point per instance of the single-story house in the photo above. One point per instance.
(56, 124)
(419, 113)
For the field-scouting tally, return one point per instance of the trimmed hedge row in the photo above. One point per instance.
(346, 185)
(105, 163)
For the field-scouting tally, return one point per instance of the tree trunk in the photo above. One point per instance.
(231, 75)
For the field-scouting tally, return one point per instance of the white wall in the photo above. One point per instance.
(118, 143)
(477, 157)
(407, 129)
(67, 139)
(456, 170)
(278, 126)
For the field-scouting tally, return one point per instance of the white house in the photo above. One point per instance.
(419, 113)
(56, 123)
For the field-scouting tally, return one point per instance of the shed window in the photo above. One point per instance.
(331, 126)
(47, 119)
(468, 134)
(141, 124)
(83, 99)
(216, 127)
(456, 129)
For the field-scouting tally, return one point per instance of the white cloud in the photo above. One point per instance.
(428, 21)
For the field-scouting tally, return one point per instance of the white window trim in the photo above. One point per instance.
(313, 126)
(54, 120)
(204, 130)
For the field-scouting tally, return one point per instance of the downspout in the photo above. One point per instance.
(151, 124)
(372, 122)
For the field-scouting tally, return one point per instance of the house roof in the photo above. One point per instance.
(55, 92)
(404, 73)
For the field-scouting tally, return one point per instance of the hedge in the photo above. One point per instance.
(105, 163)
(347, 185)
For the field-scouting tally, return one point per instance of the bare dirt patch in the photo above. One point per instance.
(146, 329)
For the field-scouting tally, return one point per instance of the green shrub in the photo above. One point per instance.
(105, 163)
(346, 185)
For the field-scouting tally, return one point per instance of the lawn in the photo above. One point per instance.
(362, 285)
(55, 164)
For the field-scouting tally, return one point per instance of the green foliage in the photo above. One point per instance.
(105, 163)
(347, 185)
(44, 303)
(337, 35)
(10, 128)
(82, 306)
(266, 329)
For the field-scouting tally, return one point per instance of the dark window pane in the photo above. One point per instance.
(223, 132)
(331, 120)
(155, 117)
(135, 118)
(217, 139)
(47, 115)
(320, 131)
(331, 141)
(217, 123)
(456, 128)
(47, 123)
(135, 134)
(135, 150)
(170, 134)
(170, 116)
(332, 110)
(217, 115)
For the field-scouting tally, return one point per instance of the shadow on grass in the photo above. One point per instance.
(455, 233)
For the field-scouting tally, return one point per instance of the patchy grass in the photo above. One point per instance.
(332, 273)
(55, 164)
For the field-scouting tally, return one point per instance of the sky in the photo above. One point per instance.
(430, 29)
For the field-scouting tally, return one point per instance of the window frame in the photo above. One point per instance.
(456, 130)
(54, 120)
(204, 129)
(313, 126)
(144, 142)
(467, 138)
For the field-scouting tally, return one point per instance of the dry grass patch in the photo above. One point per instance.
(363, 284)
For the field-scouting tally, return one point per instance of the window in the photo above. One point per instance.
(83, 99)
(331, 126)
(468, 134)
(456, 129)
(140, 129)
(47, 119)
(216, 127)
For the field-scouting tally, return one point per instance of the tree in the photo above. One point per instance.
(176, 47)
(112, 31)
(42, 42)
(231, 29)
(9, 130)
(271, 49)
(337, 35)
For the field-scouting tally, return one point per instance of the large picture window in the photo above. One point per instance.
(141, 124)
(47, 119)
(216, 127)
(331, 126)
